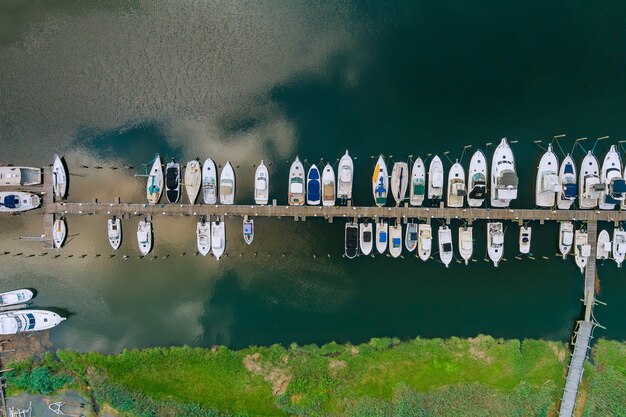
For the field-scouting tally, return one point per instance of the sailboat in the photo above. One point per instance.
(345, 177)
(504, 179)
(477, 180)
(26, 321)
(445, 245)
(59, 178)
(380, 182)
(203, 237)
(395, 240)
(114, 231)
(410, 237)
(547, 181)
(418, 183)
(261, 184)
(495, 242)
(525, 235)
(172, 181)
(313, 186)
(14, 201)
(248, 230)
(154, 186)
(456, 185)
(328, 186)
(382, 229)
(296, 183)
(466, 243)
(351, 245)
(435, 179)
(399, 181)
(366, 237)
(569, 189)
(619, 245)
(582, 249)
(566, 238)
(193, 179)
(611, 176)
(603, 248)
(209, 182)
(144, 236)
(227, 185)
(424, 241)
(59, 231)
(589, 180)
(12, 298)
(218, 238)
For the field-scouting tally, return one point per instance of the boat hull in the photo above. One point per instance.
(382, 232)
(366, 238)
(209, 182)
(456, 186)
(588, 177)
(418, 183)
(445, 245)
(328, 186)
(435, 179)
(227, 185)
(395, 240)
(154, 185)
(144, 237)
(17, 201)
(351, 244)
(261, 185)
(26, 321)
(59, 178)
(59, 232)
(114, 231)
(411, 237)
(172, 182)
(477, 180)
(248, 231)
(345, 177)
(218, 238)
(203, 238)
(296, 192)
(568, 178)
(424, 241)
(503, 176)
(380, 182)
(399, 181)
(525, 238)
(193, 180)
(466, 243)
(495, 242)
(545, 189)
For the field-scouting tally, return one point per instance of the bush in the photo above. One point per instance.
(39, 380)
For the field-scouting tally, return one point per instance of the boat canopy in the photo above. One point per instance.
(345, 174)
(585, 250)
(11, 201)
(569, 169)
(261, 183)
(498, 239)
(427, 243)
(479, 191)
(550, 182)
(508, 179)
(418, 186)
(621, 247)
(618, 186)
(172, 177)
(413, 236)
(458, 189)
(568, 238)
(382, 237)
(297, 188)
(438, 180)
(607, 246)
(447, 247)
(313, 189)
(247, 229)
(569, 191)
(367, 236)
(396, 242)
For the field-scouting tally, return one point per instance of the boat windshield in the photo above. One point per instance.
(447, 247)
(11, 201)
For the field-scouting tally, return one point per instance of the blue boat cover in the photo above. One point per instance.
(570, 190)
(313, 188)
(619, 186)
(569, 169)
(413, 236)
(380, 188)
(383, 237)
(610, 200)
(247, 229)
(11, 201)
(396, 241)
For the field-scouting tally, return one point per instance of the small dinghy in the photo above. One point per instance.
(114, 229)
(218, 238)
(380, 182)
(209, 182)
(456, 186)
(567, 176)
(525, 235)
(445, 245)
(203, 237)
(172, 181)
(144, 236)
(589, 180)
(611, 176)
(495, 242)
(154, 186)
(227, 185)
(261, 184)
(59, 178)
(395, 240)
(328, 186)
(248, 230)
(547, 181)
(504, 180)
(59, 231)
(366, 238)
(435, 179)
(424, 241)
(399, 181)
(418, 183)
(477, 180)
(351, 245)
(382, 229)
(566, 238)
(345, 177)
(193, 179)
(313, 186)
(603, 249)
(15, 201)
(296, 184)
(619, 245)
(410, 237)
(582, 249)
(24, 321)
(466, 243)
(15, 297)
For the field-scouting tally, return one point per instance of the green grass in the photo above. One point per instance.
(605, 381)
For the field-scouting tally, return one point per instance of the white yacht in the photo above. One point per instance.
(569, 189)
(410, 237)
(477, 180)
(144, 237)
(12, 298)
(351, 245)
(547, 181)
(59, 232)
(193, 180)
(296, 183)
(19, 176)
(218, 238)
(203, 237)
(611, 176)
(603, 248)
(59, 178)
(424, 241)
(399, 181)
(456, 185)
(172, 181)
(418, 183)
(566, 238)
(261, 184)
(345, 175)
(328, 186)
(495, 242)
(366, 237)
(25, 321)
(313, 186)
(154, 186)
(227, 185)
(395, 240)
(380, 182)
(382, 230)
(504, 179)
(209, 182)
(14, 201)
(619, 245)
(248, 230)
(445, 245)
(114, 231)
(525, 235)
(466, 243)
(589, 180)
(435, 179)
(582, 249)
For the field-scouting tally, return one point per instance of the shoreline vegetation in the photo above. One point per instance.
(384, 377)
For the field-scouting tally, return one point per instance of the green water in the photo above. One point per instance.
(112, 84)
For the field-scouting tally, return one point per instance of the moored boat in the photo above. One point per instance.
(209, 182)
(114, 232)
(296, 183)
(569, 189)
(328, 186)
(399, 181)
(380, 182)
(603, 248)
(504, 180)
(261, 184)
(424, 241)
(589, 181)
(144, 236)
(193, 180)
(227, 184)
(172, 181)
(410, 237)
(619, 245)
(418, 183)
(466, 243)
(218, 238)
(435, 179)
(59, 178)
(445, 245)
(525, 235)
(203, 237)
(24, 321)
(582, 249)
(395, 240)
(611, 177)
(345, 176)
(382, 229)
(19, 176)
(495, 242)
(351, 245)
(248, 230)
(456, 185)
(547, 181)
(566, 238)
(313, 186)
(366, 238)
(477, 180)
(59, 232)
(14, 201)
(154, 186)
(12, 298)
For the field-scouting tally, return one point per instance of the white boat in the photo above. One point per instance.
(351, 245)
(410, 237)
(366, 238)
(380, 182)
(209, 182)
(144, 237)
(395, 240)
(566, 238)
(59, 178)
(248, 230)
(399, 181)
(603, 248)
(345, 176)
(611, 176)
(418, 183)
(590, 184)
(456, 185)
(313, 186)
(24, 321)
(525, 235)
(114, 231)
(14, 201)
(328, 186)
(154, 186)
(435, 179)
(547, 181)
(261, 184)
(477, 180)
(203, 237)
(218, 238)
(11, 298)
(619, 245)
(227, 184)
(466, 243)
(424, 241)
(445, 245)
(193, 180)
(172, 181)
(59, 232)
(382, 230)
(582, 249)
(19, 176)
(569, 189)
(296, 183)
(495, 242)
(504, 179)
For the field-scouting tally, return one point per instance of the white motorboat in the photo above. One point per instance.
(12, 298)
(14, 201)
(203, 237)
(193, 180)
(345, 175)
(495, 242)
(445, 245)
(466, 243)
(313, 186)
(227, 184)
(477, 180)
(410, 236)
(504, 181)
(525, 235)
(424, 241)
(218, 238)
(619, 245)
(590, 184)
(399, 181)
(380, 182)
(569, 189)
(172, 181)
(366, 237)
(603, 248)
(582, 249)
(547, 181)
(59, 178)
(154, 186)
(248, 230)
(351, 245)
(209, 182)
(261, 184)
(114, 231)
(395, 240)
(25, 321)
(418, 183)
(435, 179)
(19, 176)
(59, 232)
(382, 230)
(328, 186)
(296, 183)
(566, 238)
(144, 237)
(611, 176)
(456, 185)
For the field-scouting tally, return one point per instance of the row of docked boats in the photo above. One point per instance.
(14, 319)
(323, 187)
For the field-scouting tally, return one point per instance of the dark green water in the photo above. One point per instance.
(112, 85)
